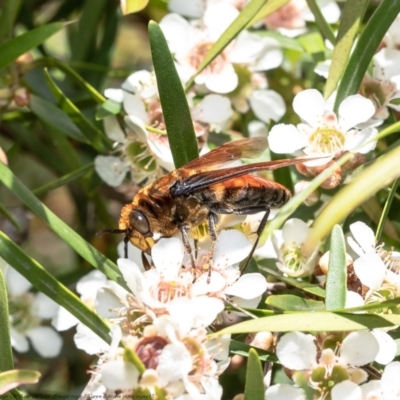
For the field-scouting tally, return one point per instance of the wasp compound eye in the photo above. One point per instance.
(139, 222)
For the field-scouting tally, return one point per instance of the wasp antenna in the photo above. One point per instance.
(111, 231)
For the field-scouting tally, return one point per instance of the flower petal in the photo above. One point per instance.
(354, 110)
(174, 363)
(294, 232)
(111, 169)
(19, 341)
(44, 307)
(224, 82)
(119, 375)
(167, 257)
(297, 351)
(387, 347)
(248, 286)
(134, 106)
(359, 348)
(346, 390)
(46, 341)
(286, 139)
(132, 275)
(88, 285)
(16, 283)
(267, 104)
(107, 303)
(370, 269)
(63, 320)
(310, 106)
(364, 235)
(191, 9)
(232, 247)
(213, 109)
(86, 340)
(283, 391)
(113, 129)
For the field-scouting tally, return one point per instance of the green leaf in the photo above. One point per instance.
(288, 302)
(350, 22)
(64, 180)
(178, 121)
(52, 62)
(313, 43)
(46, 283)
(267, 9)
(6, 356)
(14, 48)
(366, 185)
(243, 349)
(323, 26)
(93, 135)
(246, 15)
(318, 321)
(254, 388)
(109, 107)
(6, 214)
(133, 6)
(9, 12)
(88, 252)
(16, 377)
(366, 47)
(53, 116)
(336, 281)
(385, 213)
(307, 287)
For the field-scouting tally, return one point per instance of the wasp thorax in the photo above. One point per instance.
(139, 221)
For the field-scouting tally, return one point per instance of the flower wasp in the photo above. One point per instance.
(199, 192)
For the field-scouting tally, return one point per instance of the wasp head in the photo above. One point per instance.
(134, 223)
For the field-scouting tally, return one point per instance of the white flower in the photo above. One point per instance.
(387, 388)
(283, 391)
(27, 312)
(190, 42)
(323, 134)
(293, 260)
(392, 36)
(298, 352)
(290, 19)
(384, 84)
(375, 267)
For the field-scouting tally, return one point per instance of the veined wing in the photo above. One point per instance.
(206, 179)
(231, 151)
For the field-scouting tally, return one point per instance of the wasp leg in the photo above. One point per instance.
(212, 220)
(184, 232)
(248, 211)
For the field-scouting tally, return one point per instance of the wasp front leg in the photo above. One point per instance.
(186, 244)
(212, 220)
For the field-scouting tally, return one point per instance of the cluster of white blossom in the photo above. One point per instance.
(161, 318)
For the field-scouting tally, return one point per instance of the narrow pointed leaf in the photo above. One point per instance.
(93, 134)
(46, 283)
(14, 48)
(254, 388)
(240, 23)
(336, 281)
(366, 185)
(64, 180)
(54, 63)
(318, 321)
(6, 356)
(9, 12)
(50, 114)
(178, 121)
(323, 26)
(350, 21)
(366, 47)
(16, 377)
(83, 248)
(288, 302)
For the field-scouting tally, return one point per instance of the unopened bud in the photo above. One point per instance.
(21, 97)
(262, 340)
(312, 198)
